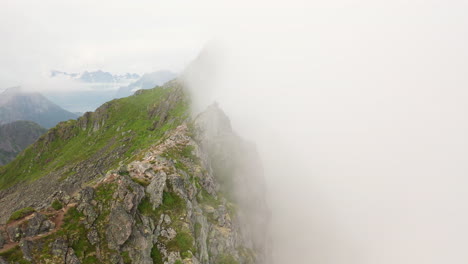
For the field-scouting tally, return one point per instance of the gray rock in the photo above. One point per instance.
(71, 258)
(89, 212)
(169, 233)
(140, 168)
(87, 194)
(15, 233)
(130, 193)
(46, 227)
(2, 261)
(167, 219)
(33, 226)
(2, 240)
(156, 188)
(178, 185)
(26, 248)
(93, 236)
(120, 227)
(60, 249)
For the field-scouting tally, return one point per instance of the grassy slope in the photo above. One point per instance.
(126, 121)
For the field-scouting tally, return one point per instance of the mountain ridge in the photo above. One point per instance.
(98, 76)
(149, 184)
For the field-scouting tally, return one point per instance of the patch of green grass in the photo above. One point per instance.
(226, 259)
(178, 262)
(14, 255)
(205, 198)
(183, 242)
(104, 192)
(126, 257)
(21, 214)
(57, 205)
(142, 182)
(75, 232)
(146, 208)
(91, 260)
(172, 200)
(171, 203)
(187, 152)
(156, 255)
(197, 229)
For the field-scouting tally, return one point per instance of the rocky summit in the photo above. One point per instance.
(138, 181)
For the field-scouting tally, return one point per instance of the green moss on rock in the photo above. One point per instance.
(21, 213)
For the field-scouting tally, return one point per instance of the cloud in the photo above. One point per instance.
(358, 111)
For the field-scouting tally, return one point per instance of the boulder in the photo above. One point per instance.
(155, 189)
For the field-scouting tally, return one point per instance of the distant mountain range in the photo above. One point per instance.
(17, 104)
(100, 86)
(15, 137)
(97, 76)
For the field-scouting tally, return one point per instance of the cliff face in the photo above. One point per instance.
(15, 137)
(193, 195)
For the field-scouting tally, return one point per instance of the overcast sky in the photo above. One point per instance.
(117, 36)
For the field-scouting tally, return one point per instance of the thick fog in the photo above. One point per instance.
(358, 108)
(359, 111)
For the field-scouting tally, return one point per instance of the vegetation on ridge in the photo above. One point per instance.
(120, 128)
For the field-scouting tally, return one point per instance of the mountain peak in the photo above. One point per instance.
(19, 104)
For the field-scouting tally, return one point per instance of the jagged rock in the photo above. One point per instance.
(169, 233)
(87, 194)
(93, 236)
(156, 188)
(46, 226)
(33, 225)
(2, 261)
(89, 212)
(116, 258)
(139, 168)
(173, 257)
(15, 233)
(59, 249)
(26, 248)
(2, 239)
(167, 219)
(120, 227)
(71, 258)
(129, 195)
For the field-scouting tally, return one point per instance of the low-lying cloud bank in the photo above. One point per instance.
(359, 112)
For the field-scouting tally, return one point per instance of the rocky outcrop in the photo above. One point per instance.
(31, 226)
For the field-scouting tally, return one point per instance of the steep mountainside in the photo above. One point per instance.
(16, 136)
(137, 181)
(16, 104)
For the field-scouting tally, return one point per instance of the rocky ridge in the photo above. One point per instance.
(176, 202)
